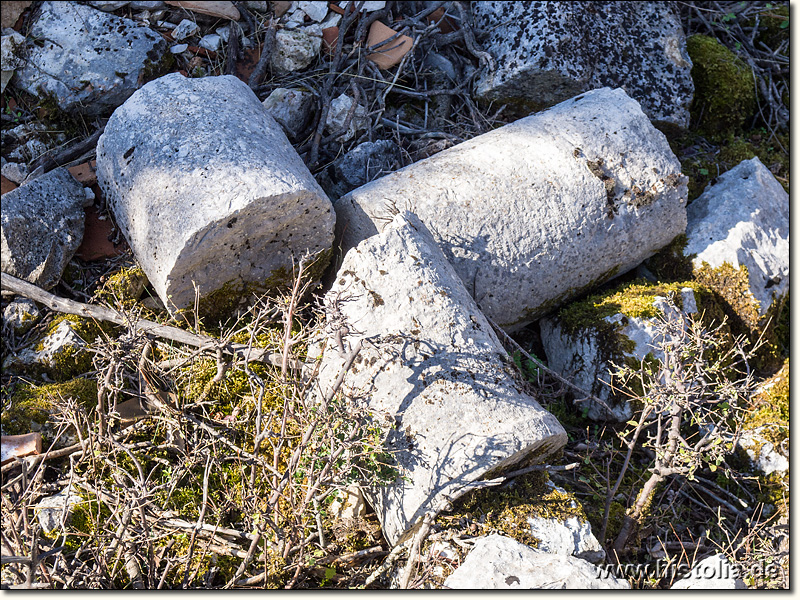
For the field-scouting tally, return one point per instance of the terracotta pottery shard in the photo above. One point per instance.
(280, 7)
(391, 53)
(95, 244)
(6, 185)
(330, 35)
(14, 446)
(12, 12)
(84, 173)
(223, 10)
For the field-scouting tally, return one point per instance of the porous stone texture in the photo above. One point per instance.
(497, 562)
(712, 573)
(185, 28)
(296, 49)
(90, 61)
(20, 315)
(546, 52)
(290, 108)
(207, 189)
(584, 356)
(539, 211)
(434, 368)
(41, 227)
(570, 536)
(743, 219)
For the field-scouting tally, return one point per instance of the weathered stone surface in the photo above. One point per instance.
(12, 47)
(337, 116)
(570, 536)
(89, 60)
(315, 9)
(41, 227)
(362, 164)
(534, 213)
(762, 452)
(434, 368)
(108, 5)
(212, 42)
(55, 511)
(53, 350)
(290, 108)
(501, 563)
(743, 219)
(185, 28)
(20, 315)
(584, 356)
(547, 52)
(712, 573)
(296, 49)
(207, 189)
(16, 172)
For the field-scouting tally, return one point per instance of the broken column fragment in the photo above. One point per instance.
(539, 211)
(208, 191)
(435, 367)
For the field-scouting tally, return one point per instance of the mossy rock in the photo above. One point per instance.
(31, 408)
(725, 96)
(731, 287)
(771, 407)
(506, 509)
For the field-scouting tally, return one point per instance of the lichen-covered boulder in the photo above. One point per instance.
(497, 562)
(765, 435)
(89, 60)
(546, 52)
(743, 220)
(583, 340)
(209, 192)
(41, 227)
(539, 211)
(432, 366)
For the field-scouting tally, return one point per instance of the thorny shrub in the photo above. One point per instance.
(194, 471)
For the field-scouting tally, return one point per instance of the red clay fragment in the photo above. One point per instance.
(6, 185)
(390, 53)
(84, 173)
(17, 446)
(447, 25)
(95, 244)
(330, 35)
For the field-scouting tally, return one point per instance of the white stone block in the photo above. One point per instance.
(207, 189)
(434, 367)
(743, 219)
(500, 563)
(539, 211)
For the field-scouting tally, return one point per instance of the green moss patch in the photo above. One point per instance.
(31, 407)
(506, 509)
(725, 96)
